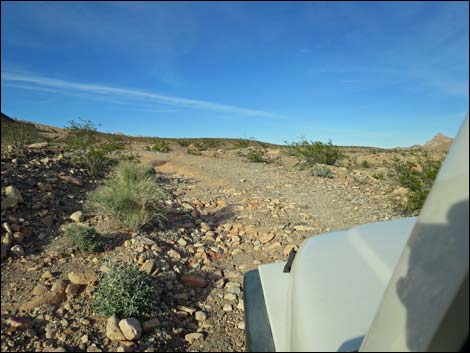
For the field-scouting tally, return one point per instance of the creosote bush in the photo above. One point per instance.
(127, 292)
(130, 195)
(418, 178)
(321, 170)
(256, 155)
(85, 238)
(159, 146)
(88, 149)
(310, 153)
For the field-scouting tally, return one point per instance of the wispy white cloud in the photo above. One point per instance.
(36, 82)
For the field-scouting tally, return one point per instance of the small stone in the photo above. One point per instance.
(18, 237)
(195, 336)
(241, 325)
(71, 180)
(266, 238)
(77, 216)
(148, 266)
(131, 328)
(234, 290)
(44, 187)
(11, 191)
(84, 339)
(73, 289)
(40, 289)
(182, 242)
(174, 254)
(93, 348)
(220, 283)
(17, 250)
(288, 249)
(150, 325)
(52, 298)
(186, 309)
(9, 202)
(19, 322)
(193, 281)
(47, 275)
(200, 316)
(113, 331)
(230, 296)
(38, 145)
(227, 307)
(6, 226)
(48, 221)
(59, 286)
(53, 349)
(85, 277)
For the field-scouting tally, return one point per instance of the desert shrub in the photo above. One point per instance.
(85, 238)
(379, 176)
(183, 142)
(130, 195)
(321, 170)
(242, 143)
(256, 155)
(87, 148)
(126, 292)
(19, 133)
(418, 178)
(311, 153)
(365, 164)
(194, 149)
(160, 146)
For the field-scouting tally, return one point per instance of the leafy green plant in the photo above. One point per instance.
(311, 153)
(418, 178)
(130, 195)
(85, 238)
(321, 170)
(126, 292)
(365, 164)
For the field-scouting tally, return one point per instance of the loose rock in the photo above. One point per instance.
(131, 328)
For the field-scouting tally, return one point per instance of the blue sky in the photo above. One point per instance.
(361, 73)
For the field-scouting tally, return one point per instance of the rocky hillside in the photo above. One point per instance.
(438, 142)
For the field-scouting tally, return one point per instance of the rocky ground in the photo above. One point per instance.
(225, 216)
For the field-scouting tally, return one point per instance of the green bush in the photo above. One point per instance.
(365, 164)
(19, 133)
(160, 146)
(418, 178)
(87, 148)
(126, 292)
(311, 153)
(242, 143)
(130, 195)
(379, 176)
(256, 155)
(183, 142)
(321, 170)
(85, 238)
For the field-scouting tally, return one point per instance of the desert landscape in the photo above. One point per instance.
(206, 211)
